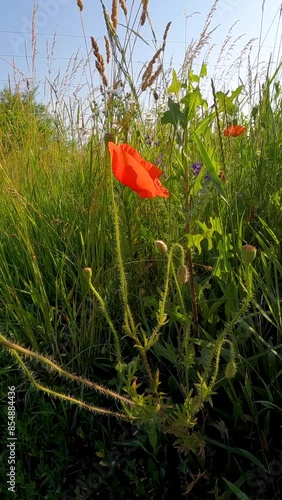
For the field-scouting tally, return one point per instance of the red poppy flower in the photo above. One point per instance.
(133, 171)
(234, 130)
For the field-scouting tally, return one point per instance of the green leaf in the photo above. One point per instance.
(192, 101)
(208, 232)
(239, 494)
(194, 240)
(209, 166)
(153, 435)
(173, 115)
(226, 102)
(175, 86)
(237, 451)
(192, 77)
(205, 123)
(203, 71)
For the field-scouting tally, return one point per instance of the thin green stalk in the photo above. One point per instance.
(187, 230)
(26, 352)
(128, 318)
(107, 317)
(216, 350)
(64, 397)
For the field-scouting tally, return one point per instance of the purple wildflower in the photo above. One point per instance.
(197, 168)
(159, 160)
(148, 140)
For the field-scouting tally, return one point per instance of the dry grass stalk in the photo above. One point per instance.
(165, 34)
(80, 5)
(34, 41)
(194, 48)
(114, 14)
(148, 71)
(100, 65)
(144, 11)
(123, 6)
(147, 83)
(225, 44)
(108, 49)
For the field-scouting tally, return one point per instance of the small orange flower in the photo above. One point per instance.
(234, 130)
(133, 171)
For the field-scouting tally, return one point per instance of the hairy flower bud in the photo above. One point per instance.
(248, 254)
(161, 246)
(87, 272)
(182, 274)
(230, 370)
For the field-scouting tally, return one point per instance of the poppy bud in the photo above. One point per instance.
(182, 274)
(109, 138)
(161, 246)
(248, 253)
(230, 370)
(87, 272)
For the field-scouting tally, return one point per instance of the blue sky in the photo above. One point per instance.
(61, 18)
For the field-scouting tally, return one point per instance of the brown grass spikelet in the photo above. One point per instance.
(80, 5)
(166, 33)
(144, 11)
(108, 49)
(155, 75)
(100, 65)
(147, 83)
(95, 46)
(148, 71)
(105, 80)
(114, 16)
(123, 6)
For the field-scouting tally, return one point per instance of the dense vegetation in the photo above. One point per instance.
(143, 333)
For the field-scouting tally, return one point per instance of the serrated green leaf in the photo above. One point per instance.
(173, 115)
(194, 240)
(175, 86)
(226, 102)
(192, 77)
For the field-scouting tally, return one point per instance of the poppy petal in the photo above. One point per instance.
(234, 130)
(135, 172)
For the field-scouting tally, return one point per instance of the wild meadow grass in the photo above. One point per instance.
(142, 336)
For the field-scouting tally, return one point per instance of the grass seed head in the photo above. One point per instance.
(123, 6)
(144, 12)
(114, 14)
(108, 50)
(80, 5)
